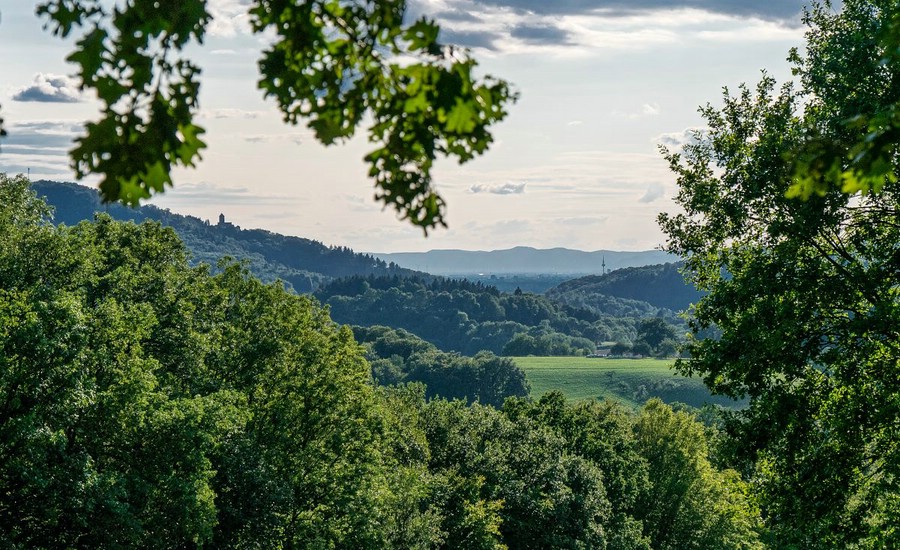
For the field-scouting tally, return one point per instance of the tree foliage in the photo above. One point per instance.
(650, 290)
(470, 317)
(689, 503)
(302, 264)
(663, 490)
(855, 153)
(398, 357)
(802, 311)
(654, 332)
(331, 64)
(148, 403)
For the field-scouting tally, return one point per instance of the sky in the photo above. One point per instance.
(602, 84)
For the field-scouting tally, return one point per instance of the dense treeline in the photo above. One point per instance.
(493, 321)
(303, 264)
(470, 317)
(398, 357)
(633, 291)
(148, 403)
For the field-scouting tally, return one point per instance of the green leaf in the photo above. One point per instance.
(462, 118)
(191, 144)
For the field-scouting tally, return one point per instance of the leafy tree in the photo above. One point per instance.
(802, 307)
(689, 503)
(620, 348)
(331, 63)
(520, 345)
(654, 330)
(663, 490)
(856, 153)
(98, 449)
(400, 357)
(600, 432)
(667, 348)
(145, 403)
(549, 498)
(642, 348)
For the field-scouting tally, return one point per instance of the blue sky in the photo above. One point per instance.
(602, 84)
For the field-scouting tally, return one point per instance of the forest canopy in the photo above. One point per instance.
(147, 403)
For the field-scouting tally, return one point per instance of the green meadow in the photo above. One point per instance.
(630, 381)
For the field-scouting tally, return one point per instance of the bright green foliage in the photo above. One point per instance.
(96, 448)
(131, 57)
(600, 432)
(313, 422)
(414, 514)
(398, 357)
(144, 403)
(689, 503)
(663, 491)
(331, 63)
(544, 496)
(803, 311)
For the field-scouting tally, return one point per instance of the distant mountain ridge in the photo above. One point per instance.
(303, 264)
(522, 260)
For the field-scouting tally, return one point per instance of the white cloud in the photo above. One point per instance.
(39, 147)
(230, 18)
(650, 109)
(677, 140)
(581, 221)
(654, 191)
(294, 137)
(646, 110)
(230, 113)
(502, 30)
(508, 188)
(209, 193)
(51, 88)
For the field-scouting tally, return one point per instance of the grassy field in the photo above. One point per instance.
(630, 381)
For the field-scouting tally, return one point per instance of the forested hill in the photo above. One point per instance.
(522, 260)
(302, 263)
(470, 317)
(661, 286)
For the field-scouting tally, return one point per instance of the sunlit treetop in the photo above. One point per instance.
(332, 64)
